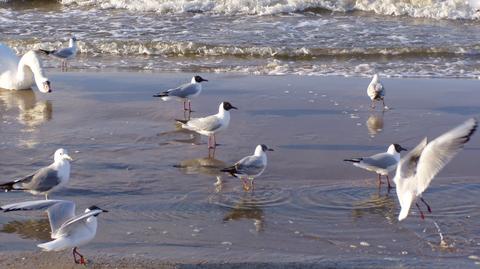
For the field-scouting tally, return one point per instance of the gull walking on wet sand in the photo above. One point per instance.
(210, 125)
(67, 229)
(65, 54)
(381, 163)
(184, 92)
(250, 167)
(376, 91)
(416, 170)
(45, 180)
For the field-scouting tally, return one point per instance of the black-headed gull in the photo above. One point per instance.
(68, 230)
(65, 53)
(381, 163)
(210, 125)
(184, 92)
(45, 180)
(250, 167)
(376, 91)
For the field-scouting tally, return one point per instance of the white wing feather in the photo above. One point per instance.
(441, 151)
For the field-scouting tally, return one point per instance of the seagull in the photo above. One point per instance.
(376, 91)
(184, 92)
(46, 179)
(416, 170)
(380, 163)
(64, 53)
(68, 230)
(250, 167)
(210, 125)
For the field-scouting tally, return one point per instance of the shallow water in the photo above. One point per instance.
(308, 207)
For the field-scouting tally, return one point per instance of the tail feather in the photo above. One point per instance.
(55, 245)
(231, 170)
(353, 160)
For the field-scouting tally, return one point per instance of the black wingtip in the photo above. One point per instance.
(181, 121)
(356, 160)
(471, 132)
(7, 186)
(163, 94)
(231, 170)
(47, 52)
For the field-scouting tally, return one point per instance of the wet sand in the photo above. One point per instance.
(309, 209)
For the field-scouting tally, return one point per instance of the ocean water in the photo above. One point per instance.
(406, 38)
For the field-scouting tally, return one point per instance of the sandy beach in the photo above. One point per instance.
(309, 209)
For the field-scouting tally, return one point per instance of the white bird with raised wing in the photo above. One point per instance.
(21, 73)
(250, 167)
(416, 170)
(381, 163)
(210, 125)
(67, 229)
(45, 180)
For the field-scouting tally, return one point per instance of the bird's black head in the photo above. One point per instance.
(265, 148)
(227, 106)
(94, 207)
(399, 148)
(199, 79)
(74, 38)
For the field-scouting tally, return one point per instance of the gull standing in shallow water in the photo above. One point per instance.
(46, 179)
(376, 91)
(67, 229)
(250, 167)
(380, 163)
(65, 53)
(417, 169)
(210, 125)
(184, 92)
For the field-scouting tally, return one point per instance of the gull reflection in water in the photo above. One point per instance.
(206, 166)
(375, 124)
(247, 208)
(180, 135)
(376, 204)
(29, 229)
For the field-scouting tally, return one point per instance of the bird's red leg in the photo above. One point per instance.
(74, 250)
(389, 186)
(421, 212)
(210, 142)
(82, 259)
(428, 206)
(245, 184)
(214, 141)
(379, 180)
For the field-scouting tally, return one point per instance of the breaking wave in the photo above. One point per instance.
(436, 9)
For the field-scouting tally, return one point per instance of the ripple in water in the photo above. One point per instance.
(267, 196)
